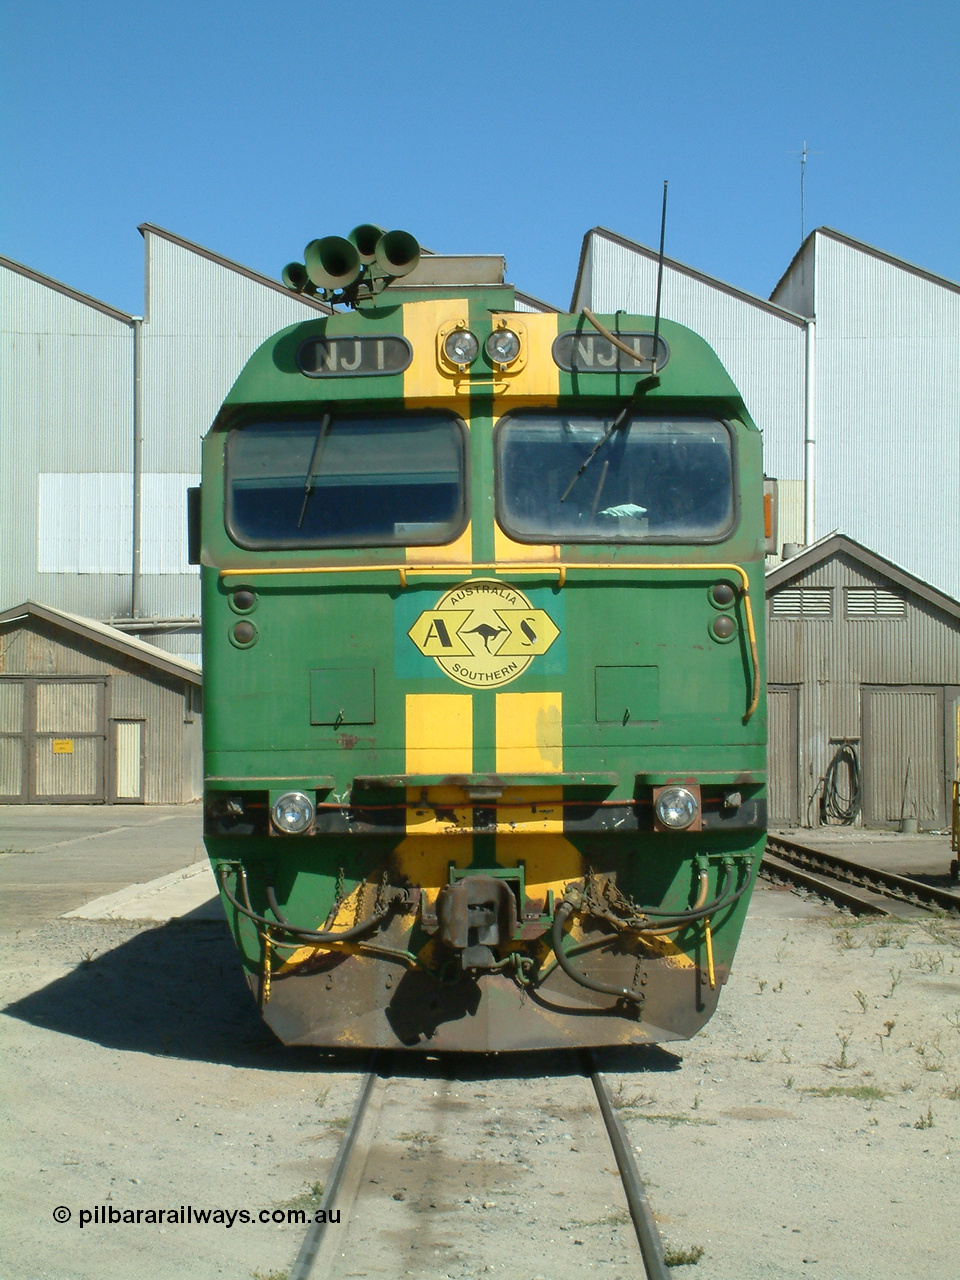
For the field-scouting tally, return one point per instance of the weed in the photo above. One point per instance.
(929, 964)
(883, 938)
(841, 1062)
(778, 987)
(671, 1117)
(270, 1275)
(953, 1093)
(86, 957)
(862, 1092)
(861, 1000)
(638, 1100)
(954, 1019)
(321, 1098)
(896, 977)
(307, 1199)
(784, 1054)
(675, 1257)
(788, 1082)
(761, 983)
(846, 941)
(696, 1101)
(925, 1122)
(756, 1055)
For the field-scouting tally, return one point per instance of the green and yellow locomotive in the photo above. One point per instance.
(483, 698)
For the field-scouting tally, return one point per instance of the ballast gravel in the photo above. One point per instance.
(812, 1128)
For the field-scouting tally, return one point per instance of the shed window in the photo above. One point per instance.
(874, 602)
(803, 602)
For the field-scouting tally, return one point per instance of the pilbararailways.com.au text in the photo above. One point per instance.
(187, 1215)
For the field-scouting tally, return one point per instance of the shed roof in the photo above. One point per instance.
(837, 543)
(110, 637)
(268, 283)
(862, 247)
(643, 251)
(68, 292)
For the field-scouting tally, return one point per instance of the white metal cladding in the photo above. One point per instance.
(795, 290)
(66, 396)
(834, 659)
(888, 409)
(761, 350)
(204, 320)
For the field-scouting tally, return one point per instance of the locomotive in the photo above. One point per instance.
(484, 725)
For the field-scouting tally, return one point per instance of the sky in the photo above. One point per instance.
(494, 127)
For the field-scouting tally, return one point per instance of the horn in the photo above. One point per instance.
(397, 253)
(332, 263)
(365, 238)
(295, 276)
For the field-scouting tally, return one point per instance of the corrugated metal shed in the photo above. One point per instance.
(66, 396)
(205, 315)
(761, 344)
(90, 715)
(888, 400)
(860, 649)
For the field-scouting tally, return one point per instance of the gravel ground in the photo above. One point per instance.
(813, 1128)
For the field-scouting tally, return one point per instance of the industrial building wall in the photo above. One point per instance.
(203, 320)
(842, 666)
(66, 402)
(888, 418)
(760, 345)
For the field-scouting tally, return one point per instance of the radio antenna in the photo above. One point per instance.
(656, 319)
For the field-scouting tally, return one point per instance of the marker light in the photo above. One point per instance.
(293, 813)
(676, 808)
(502, 347)
(461, 347)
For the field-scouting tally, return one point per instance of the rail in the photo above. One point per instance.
(312, 1258)
(790, 859)
(404, 571)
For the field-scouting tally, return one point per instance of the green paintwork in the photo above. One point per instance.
(318, 700)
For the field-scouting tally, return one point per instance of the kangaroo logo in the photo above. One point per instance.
(483, 633)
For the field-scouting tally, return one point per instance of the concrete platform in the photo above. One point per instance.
(191, 892)
(54, 858)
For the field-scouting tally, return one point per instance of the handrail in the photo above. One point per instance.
(607, 566)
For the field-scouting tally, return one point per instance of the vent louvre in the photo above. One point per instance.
(874, 602)
(803, 602)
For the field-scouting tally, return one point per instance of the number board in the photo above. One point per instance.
(354, 356)
(581, 351)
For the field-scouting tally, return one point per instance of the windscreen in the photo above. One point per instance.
(347, 481)
(586, 477)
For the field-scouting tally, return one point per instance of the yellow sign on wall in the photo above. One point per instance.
(63, 746)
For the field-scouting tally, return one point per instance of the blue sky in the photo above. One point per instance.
(490, 127)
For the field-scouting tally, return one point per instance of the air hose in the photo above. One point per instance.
(561, 915)
(347, 935)
(835, 806)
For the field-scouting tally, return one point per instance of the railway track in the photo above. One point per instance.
(863, 890)
(442, 1218)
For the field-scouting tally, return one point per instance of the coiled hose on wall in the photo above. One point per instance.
(835, 805)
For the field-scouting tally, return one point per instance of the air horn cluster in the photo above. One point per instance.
(363, 264)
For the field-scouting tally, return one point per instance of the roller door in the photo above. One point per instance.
(52, 741)
(782, 755)
(903, 756)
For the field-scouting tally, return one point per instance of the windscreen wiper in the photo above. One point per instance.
(311, 470)
(644, 384)
(614, 425)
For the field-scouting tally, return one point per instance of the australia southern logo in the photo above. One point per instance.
(483, 633)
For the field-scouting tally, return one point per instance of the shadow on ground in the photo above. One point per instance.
(178, 991)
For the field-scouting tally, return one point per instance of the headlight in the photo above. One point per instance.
(293, 813)
(503, 346)
(676, 808)
(461, 347)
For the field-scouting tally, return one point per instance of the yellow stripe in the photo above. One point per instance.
(421, 320)
(424, 379)
(529, 732)
(439, 733)
(539, 378)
